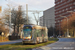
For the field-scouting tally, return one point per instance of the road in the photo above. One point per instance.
(11, 42)
(62, 44)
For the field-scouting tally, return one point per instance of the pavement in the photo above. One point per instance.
(62, 44)
(11, 42)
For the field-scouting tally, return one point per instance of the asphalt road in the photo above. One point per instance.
(11, 42)
(62, 44)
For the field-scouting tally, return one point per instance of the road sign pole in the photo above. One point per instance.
(2, 35)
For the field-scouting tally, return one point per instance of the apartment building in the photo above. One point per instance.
(63, 8)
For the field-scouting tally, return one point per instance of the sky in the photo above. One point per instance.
(39, 5)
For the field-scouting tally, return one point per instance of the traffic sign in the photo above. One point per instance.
(2, 33)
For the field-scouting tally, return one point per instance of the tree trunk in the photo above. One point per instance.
(14, 25)
(18, 24)
(18, 28)
(74, 33)
(14, 28)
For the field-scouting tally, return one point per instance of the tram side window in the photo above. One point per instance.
(38, 32)
(43, 33)
(35, 33)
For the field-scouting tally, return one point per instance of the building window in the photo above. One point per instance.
(61, 20)
(74, 3)
(74, 9)
(69, 0)
(74, 6)
(70, 7)
(66, 8)
(61, 0)
(63, 9)
(56, 0)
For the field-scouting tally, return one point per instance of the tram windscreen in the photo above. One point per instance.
(27, 32)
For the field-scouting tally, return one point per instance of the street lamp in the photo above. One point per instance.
(71, 12)
(67, 24)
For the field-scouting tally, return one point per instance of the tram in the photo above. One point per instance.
(34, 34)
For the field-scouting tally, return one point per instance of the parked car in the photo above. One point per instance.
(51, 37)
(59, 36)
(68, 36)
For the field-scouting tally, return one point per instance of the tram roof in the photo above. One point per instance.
(36, 26)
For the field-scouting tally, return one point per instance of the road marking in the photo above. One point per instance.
(62, 48)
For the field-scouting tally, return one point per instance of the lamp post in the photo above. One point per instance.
(67, 27)
(70, 12)
(67, 24)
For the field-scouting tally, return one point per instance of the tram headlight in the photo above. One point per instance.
(27, 37)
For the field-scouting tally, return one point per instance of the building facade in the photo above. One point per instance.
(41, 21)
(63, 8)
(49, 17)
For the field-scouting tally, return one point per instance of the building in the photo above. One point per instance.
(41, 21)
(49, 17)
(63, 8)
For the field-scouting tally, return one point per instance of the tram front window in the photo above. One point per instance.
(27, 32)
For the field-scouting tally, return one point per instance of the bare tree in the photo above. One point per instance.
(13, 18)
(18, 17)
(6, 15)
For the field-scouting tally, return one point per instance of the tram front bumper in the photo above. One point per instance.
(27, 41)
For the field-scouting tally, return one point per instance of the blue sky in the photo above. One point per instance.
(32, 5)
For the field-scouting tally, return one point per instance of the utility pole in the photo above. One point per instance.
(38, 16)
(35, 18)
(27, 12)
(34, 11)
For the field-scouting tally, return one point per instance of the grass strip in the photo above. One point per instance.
(19, 46)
